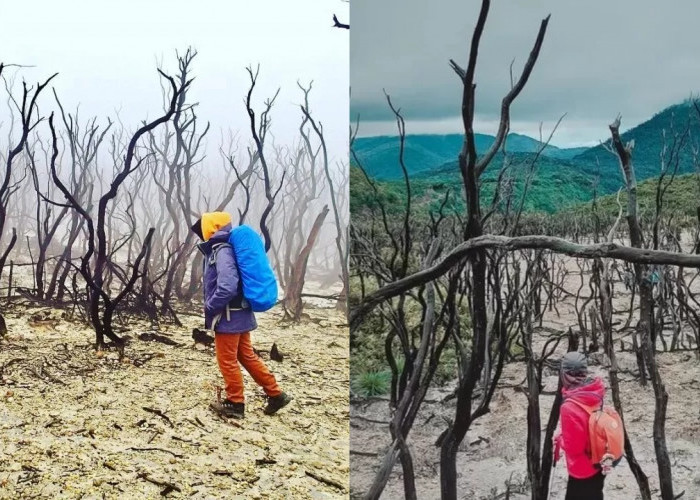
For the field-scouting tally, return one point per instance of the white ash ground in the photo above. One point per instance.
(71, 420)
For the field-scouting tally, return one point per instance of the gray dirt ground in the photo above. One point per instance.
(73, 424)
(485, 466)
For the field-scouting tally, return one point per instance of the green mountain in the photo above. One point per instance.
(554, 183)
(379, 155)
(682, 197)
(674, 130)
(562, 178)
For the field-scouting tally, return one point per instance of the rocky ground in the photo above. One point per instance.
(75, 423)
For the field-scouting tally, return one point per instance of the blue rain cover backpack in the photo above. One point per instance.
(254, 269)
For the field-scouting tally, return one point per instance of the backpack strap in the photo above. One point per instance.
(589, 409)
(214, 251)
(212, 262)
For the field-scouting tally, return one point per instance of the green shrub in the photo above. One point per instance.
(373, 383)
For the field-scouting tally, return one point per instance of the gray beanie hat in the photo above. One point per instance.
(574, 362)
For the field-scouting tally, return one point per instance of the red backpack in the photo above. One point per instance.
(606, 433)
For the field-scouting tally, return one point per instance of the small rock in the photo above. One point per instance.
(696, 479)
(320, 495)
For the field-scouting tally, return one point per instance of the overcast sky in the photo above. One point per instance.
(599, 58)
(106, 54)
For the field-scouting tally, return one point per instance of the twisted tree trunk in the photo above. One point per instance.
(644, 326)
(293, 303)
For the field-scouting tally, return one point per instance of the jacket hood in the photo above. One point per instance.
(589, 394)
(214, 222)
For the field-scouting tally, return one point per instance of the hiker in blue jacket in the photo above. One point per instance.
(226, 312)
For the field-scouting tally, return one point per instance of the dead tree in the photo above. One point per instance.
(293, 304)
(300, 191)
(244, 180)
(303, 191)
(83, 143)
(420, 372)
(605, 308)
(646, 314)
(47, 222)
(400, 238)
(178, 155)
(341, 227)
(665, 301)
(558, 245)
(539, 456)
(29, 118)
(418, 346)
(259, 129)
(471, 168)
(95, 262)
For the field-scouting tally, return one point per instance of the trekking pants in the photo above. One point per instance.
(585, 489)
(232, 348)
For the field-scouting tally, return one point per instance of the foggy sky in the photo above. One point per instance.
(599, 58)
(106, 54)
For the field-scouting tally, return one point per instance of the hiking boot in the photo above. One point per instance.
(227, 408)
(276, 403)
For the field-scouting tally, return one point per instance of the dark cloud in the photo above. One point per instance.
(599, 58)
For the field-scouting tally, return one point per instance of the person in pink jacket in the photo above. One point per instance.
(586, 479)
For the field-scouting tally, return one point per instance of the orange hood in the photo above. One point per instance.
(213, 222)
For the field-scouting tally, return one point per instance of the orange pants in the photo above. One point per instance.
(232, 348)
